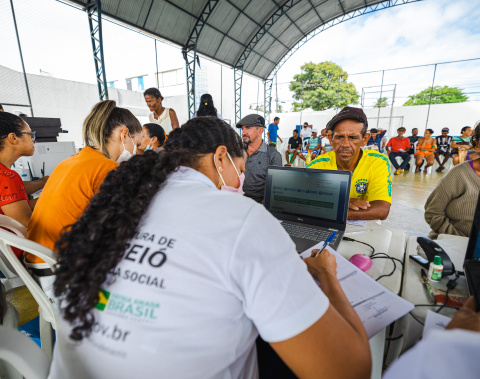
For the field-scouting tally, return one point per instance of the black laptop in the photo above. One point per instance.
(471, 265)
(311, 204)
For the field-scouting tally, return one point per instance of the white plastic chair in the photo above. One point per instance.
(22, 356)
(11, 280)
(48, 311)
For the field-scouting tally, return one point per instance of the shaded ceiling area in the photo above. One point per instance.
(253, 34)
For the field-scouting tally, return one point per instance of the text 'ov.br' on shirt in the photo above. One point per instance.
(371, 178)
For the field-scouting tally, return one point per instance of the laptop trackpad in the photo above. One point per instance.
(302, 244)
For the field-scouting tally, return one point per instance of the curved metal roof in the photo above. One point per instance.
(255, 34)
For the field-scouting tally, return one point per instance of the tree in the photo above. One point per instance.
(322, 86)
(440, 95)
(381, 103)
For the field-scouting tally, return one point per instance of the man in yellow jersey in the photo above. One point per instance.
(371, 190)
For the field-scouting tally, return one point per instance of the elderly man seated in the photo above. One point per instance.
(371, 190)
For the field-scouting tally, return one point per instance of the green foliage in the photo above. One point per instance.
(381, 103)
(280, 109)
(320, 86)
(440, 95)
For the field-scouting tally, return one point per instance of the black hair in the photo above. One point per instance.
(414, 129)
(305, 123)
(373, 130)
(295, 131)
(401, 128)
(276, 118)
(10, 123)
(92, 247)
(476, 135)
(206, 107)
(155, 130)
(153, 92)
(429, 130)
(464, 128)
(1, 107)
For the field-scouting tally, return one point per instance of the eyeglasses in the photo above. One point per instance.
(33, 135)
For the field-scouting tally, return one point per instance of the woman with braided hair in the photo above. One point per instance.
(165, 276)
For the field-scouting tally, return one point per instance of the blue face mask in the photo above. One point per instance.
(148, 146)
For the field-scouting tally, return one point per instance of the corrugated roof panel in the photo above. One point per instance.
(241, 29)
(289, 34)
(223, 17)
(260, 10)
(194, 7)
(173, 23)
(210, 41)
(228, 30)
(228, 50)
(130, 10)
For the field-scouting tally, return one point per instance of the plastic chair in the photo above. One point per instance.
(22, 357)
(48, 310)
(8, 314)
(11, 280)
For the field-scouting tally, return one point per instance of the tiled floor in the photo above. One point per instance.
(409, 193)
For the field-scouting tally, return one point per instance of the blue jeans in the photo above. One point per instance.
(404, 156)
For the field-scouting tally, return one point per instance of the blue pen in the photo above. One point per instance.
(329, 239)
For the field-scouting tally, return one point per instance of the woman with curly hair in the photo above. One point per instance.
(165, 276)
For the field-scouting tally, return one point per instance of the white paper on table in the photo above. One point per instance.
(376, 306)
(357, 222)
(435, 321)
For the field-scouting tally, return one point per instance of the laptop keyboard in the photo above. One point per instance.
(308, 233)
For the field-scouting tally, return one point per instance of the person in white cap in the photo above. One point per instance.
(314, 144)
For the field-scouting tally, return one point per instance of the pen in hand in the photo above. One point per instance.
(329, 239)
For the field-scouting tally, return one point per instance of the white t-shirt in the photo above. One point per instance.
(326, 144)
(443, 354)
(193, 304)
(306, 133)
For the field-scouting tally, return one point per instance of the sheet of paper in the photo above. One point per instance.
(376, 306)
(435, 321)
(357, 222)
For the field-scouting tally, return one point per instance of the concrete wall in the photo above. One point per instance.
(72, 101)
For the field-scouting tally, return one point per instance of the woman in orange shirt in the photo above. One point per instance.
(111, 135)
(425, 149)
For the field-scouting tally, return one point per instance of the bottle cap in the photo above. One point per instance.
(437, 260)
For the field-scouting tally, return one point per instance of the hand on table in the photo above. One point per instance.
(466, 318)
(357, 204)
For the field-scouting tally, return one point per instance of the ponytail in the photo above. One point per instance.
(95, 244)
(206, 107)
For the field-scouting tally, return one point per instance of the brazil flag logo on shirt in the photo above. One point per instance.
(361, 186)
(103, 297)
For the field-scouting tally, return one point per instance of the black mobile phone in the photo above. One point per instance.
(420, 260)
(472, 273)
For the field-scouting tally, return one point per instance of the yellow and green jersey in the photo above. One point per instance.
(371, 178)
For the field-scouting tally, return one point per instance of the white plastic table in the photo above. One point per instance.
(383, 240)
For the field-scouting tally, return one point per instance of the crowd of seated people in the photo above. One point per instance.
(131, 201)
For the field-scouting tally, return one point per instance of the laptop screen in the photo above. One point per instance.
(473, 249)
(314, 194)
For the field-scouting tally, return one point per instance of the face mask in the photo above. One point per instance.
(126, 155)
(148, 146)
(241, 176)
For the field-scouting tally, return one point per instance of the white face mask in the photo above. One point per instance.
(126, 155)
(241, 176)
